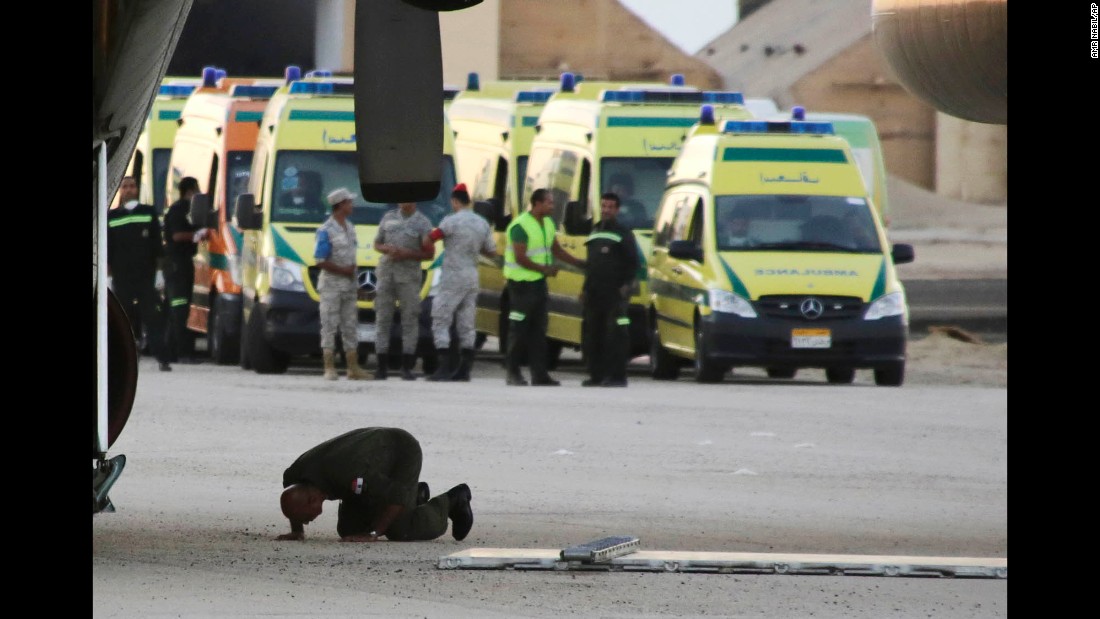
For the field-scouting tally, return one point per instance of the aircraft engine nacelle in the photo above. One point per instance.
(952, 54)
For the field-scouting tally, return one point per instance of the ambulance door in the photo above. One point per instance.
(683, 291)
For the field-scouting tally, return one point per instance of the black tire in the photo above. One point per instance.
(224, 348)
(706, 370)
(662, 365)
(782, 372)
(891, 375)
(264, 358)
(840, 376)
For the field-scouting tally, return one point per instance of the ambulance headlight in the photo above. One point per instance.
(285, 275)
(892, 304)
(729, 303)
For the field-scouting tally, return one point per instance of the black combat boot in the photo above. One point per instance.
(465, 363)
(407, 364)
(445, 369)
(461, 515)
(423, 493)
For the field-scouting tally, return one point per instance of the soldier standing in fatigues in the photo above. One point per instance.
(400, 241)
(374, 472)
(608, 279)
(465, 234)
(337, 285)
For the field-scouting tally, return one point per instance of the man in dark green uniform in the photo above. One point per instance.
(374, 472)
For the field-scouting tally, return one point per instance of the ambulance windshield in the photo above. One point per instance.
(303, 179)
(795, 223)
(639, 183)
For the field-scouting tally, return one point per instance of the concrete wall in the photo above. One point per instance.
(971, 160)
(600, 39)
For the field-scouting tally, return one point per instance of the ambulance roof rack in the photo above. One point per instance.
(636, 95)
(293, 73)
(176, 91)
(252, 91)
(769, 126)
(322, 88)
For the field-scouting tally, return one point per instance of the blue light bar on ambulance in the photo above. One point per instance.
(319, 73)
(568, 82)
(293, 73)
(473, 81)
(670, 96)
(176, 90)
(221, 73)
(252, 92)
(706, 114)
(322, 88)
(765, 126)
(677, 79)
(534, 96)
(209, 77)
(798, 113)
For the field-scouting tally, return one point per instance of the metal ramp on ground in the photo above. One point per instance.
(622, 554)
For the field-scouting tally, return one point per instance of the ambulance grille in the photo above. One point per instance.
(789, 307)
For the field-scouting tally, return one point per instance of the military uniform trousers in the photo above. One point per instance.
(179, 281)
(456, 306)
(606, 337)
(140, 291)
(392, 287)
(339, 313)
(527, 321)
(423, 522)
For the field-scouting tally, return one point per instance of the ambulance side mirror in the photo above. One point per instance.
(902, 253)
(576, 220)
(249, 216)
(201, 211)
(685, 250)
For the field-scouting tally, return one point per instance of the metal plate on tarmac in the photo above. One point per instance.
(601, 550)
(734, 563)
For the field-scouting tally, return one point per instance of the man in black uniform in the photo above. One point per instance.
(133, 248)
(374, 473)
(180, 245)
(608, 280)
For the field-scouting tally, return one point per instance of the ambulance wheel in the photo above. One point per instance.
(223, 349)
(706, 370)
(782, 372)
(264, 358)
(890, 375)
(662, 365)
(840, 376)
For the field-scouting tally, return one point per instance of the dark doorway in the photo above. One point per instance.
(246, 37)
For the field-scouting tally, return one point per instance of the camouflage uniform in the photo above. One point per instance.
(338, 292)
(466, 234)
(399, 280)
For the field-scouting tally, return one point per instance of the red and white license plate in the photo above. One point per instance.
(811, 338)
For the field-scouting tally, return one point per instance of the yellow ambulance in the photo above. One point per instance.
(217, 134)
(493, 125)
(598, 137)
(306, 149)
(149, 163)
(768, 252)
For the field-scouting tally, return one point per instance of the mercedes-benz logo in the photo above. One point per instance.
(812, 308)
(367, 281)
